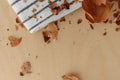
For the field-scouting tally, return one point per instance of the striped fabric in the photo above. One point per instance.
(24, 10)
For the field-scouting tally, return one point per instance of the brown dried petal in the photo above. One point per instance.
(96, 12)
(70, 77)
(62, 19)
(50, 32)
(26, 68)
(34, 10)
(118, 20)
(52, 5)
(79, 21)
(46, 36)
(14, 41)
(18, 20)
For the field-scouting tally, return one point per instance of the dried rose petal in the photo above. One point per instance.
(14, 41)
(70, 77)
(26, 68)
(118, 20)
(18, 20)
(79, 21)
(96, 10)
(50, 32)
(62, 19)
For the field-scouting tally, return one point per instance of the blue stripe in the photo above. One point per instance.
(27, 7)
(15, 2)
(41, 22)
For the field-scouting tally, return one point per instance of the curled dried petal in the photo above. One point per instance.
(50, 32)
(96, 10)
(70, 77)
(14, 41)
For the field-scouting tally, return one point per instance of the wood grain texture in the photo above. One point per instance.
(78, 50)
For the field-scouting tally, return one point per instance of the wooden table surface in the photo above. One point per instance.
(79, 50)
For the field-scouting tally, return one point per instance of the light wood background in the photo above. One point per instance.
(78, 50)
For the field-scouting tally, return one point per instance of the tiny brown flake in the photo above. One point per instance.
(116, 14)
(79, 21)
(34, 16)
(117, 29)
(114, 10)
(7, 44)
(73, 42)
(40, 16)
(34, 10)
(21, 74)
(14, 41)
(69, 22)
(18, 20)
(110, 21)
(28, 54)
(56, 23)
(105, 33)
(8, 29)
(105, 29)
(91, 26)
(46, 37)
(36, 57)
(26, 68)
(62, 19)
(118, 20)
(106, 21)
(70, 77)
(63, 28)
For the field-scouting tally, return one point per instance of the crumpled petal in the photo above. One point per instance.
(50, 32)
(96, 10)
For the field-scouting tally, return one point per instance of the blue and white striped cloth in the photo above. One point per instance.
(24, 10)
